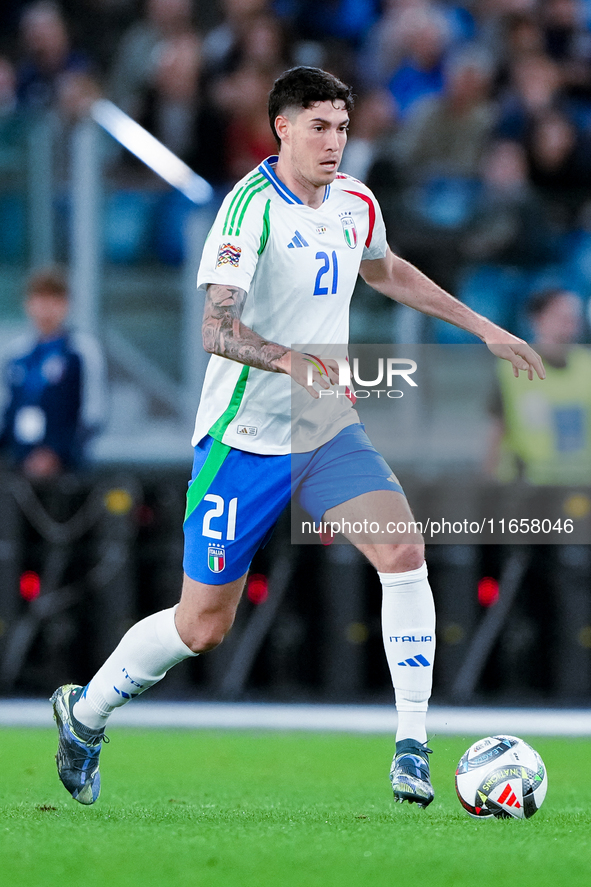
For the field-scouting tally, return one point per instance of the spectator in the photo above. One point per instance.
(507, 226)
(436, 156)
(445, 133)
(535, 85)
(47, 55)
(243, 95)
(174, 108)
(373, 123)
(136, 55)
(568, 43)
(221, 44)
(505, 238)
(559, 164)
(420, 73)
(97, 26)
(542, 433)
(384, 46)
(346, 21)
(55, 385)
(520, 37)
(264, 46)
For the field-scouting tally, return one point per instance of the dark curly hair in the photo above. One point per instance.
(302, 87)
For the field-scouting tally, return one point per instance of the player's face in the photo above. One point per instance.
(313, 140)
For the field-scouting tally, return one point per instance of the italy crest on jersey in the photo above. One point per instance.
(349, 230)
(216, 558)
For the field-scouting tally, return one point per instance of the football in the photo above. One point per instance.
(501, 777)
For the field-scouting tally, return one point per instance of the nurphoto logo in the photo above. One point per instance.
(386, 371)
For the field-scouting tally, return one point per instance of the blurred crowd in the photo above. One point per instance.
(472, 121)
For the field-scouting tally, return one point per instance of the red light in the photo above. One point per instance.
(30, 585)
(488, 591)
(145, 515)
(257, 589)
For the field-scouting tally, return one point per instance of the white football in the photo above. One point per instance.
(502, 777)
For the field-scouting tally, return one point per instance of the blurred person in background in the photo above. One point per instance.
(435, 156)
(535, 85)
(346, 21)
(264, 45)
(374, 122)
(54, 385)
(559, 160)
(445, 133)
(137, 53)
(243, 95)
(174, 107)
(420, 71)
(46, 55)
(505, 238)
(258, 54)
(567, 41)
(221, 44)
(520, 36)
(384, 45)
(98, 25)
(542, 433)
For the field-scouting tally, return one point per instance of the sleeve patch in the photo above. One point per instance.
(228, 254)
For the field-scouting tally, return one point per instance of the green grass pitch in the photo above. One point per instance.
(245, 809)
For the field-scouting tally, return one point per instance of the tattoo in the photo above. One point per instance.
(224, 334)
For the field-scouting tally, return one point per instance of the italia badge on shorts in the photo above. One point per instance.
(216, 558)
(349, 230)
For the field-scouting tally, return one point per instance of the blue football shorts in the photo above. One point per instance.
(235, 498)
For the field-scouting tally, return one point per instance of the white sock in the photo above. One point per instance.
(141, 659)
(408, 629)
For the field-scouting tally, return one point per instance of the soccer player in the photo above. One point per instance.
(279, 267)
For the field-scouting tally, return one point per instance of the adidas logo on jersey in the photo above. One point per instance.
(297, 241)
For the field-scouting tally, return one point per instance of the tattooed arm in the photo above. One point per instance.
(225, 335)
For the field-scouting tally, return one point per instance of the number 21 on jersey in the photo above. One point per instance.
(328, 274)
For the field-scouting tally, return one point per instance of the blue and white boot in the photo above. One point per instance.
(410, 777)
(78, 748)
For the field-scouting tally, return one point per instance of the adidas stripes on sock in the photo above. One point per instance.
(408, 629)
(141, 659)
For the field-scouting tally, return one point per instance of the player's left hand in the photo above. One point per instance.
(517, 352)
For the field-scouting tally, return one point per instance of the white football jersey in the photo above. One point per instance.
(299, 266)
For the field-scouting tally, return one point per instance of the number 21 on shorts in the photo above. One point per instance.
(217, 511)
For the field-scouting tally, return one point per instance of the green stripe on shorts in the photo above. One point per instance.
(215, 459)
